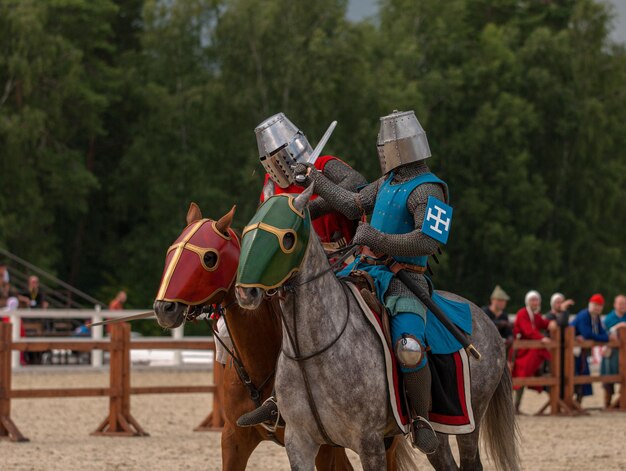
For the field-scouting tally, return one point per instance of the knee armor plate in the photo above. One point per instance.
(409, 351)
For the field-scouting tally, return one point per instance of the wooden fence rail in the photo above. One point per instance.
(561, 366)
(119, 421)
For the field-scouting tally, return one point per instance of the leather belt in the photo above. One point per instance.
(370, 258)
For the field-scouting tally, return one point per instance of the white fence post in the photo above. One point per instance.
(96, 334)
(178, 333)
(16, 335)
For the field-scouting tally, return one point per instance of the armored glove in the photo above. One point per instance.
(368, 236)
(303, 169)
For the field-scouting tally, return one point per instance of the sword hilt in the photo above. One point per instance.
(472, 351)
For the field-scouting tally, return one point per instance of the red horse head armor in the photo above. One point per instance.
(202, 262)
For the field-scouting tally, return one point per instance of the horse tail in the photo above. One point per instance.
(500, 429)
(405, 456)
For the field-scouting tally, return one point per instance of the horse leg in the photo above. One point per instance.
(332, 459)
(372, 454)
(442, 459)
(468, 451)
(301, 450)
(237, 446)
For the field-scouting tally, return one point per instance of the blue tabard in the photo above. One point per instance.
(391, 216)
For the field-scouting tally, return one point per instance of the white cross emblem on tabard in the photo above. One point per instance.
(437, 220)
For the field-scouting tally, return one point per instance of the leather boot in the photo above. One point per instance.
(267, 412)
(417, 386)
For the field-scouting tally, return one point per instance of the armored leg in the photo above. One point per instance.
(417, 386)
(408, 331)
(267, 412)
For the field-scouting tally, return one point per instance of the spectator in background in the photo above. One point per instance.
(588, 327)
(5, 284)
(614, 321)
(34, 297)
(495, 311)
(558, 309)
(117, 303)
(528, 326)
(7, 302)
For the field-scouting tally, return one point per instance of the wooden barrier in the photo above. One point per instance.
(7, 428)
(553, 380)
(568, 405)
(119, 420)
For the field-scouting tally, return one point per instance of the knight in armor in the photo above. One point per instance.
(406, 203)
(282, 146)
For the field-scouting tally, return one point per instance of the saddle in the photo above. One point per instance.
(365, 283)
(451, 408)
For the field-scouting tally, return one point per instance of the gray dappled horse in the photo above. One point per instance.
(346, 381)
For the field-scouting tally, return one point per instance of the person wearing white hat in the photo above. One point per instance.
(559, 309)
(528, 326)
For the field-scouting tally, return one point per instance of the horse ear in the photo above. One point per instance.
(193, 213)
(225, 221)
(302, 200)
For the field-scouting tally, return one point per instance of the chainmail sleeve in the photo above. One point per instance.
(342, 175)
(351, 204)
(411, 244)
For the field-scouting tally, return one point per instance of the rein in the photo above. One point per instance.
(253, 391)
(293, 341)
(295, 345)
(347, 252)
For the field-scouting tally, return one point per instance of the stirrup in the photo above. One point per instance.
(423, 436)
(266, 412)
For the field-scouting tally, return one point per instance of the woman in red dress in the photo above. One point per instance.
(528, 326)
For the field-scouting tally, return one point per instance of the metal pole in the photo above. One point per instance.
(96, 334)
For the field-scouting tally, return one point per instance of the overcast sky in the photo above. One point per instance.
(358, 9)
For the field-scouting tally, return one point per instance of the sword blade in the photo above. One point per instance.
(134, 317)
(318, 149)
(320, 145)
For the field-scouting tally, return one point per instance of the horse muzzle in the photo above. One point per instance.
(249, 298)
(169, 314)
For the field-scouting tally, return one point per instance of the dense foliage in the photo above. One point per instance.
(114, 115)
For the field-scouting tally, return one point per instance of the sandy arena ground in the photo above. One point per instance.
(59, 431)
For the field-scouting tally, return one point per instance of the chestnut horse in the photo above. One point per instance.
(200, 270)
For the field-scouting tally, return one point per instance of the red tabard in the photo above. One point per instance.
(327, 224)
(528, 361)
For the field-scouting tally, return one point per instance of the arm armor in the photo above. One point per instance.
(350, 203)
(342, 175)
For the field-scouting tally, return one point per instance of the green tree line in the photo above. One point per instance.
(114, 115)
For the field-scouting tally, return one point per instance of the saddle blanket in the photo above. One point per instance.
(451, 411)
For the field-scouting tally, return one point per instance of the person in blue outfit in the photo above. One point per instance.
(588, 327)
(410, 219)
(613, 322)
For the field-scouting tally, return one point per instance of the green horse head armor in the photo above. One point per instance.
(274, 242)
